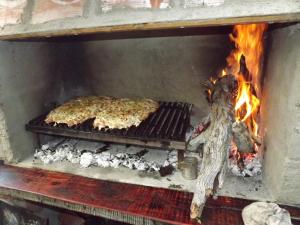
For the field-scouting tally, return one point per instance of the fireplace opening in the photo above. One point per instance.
(38, 76)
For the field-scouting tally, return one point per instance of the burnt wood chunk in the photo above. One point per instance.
(217, 139)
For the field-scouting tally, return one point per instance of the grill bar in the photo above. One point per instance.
(164, 128)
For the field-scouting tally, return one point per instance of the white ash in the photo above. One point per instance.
(45, 147)
(90, 146)
(89, 154)
(104, 160)
(252, 166)
(73, 157)
(160, 159)
(86, 159)
(171, 160)
(56, 151)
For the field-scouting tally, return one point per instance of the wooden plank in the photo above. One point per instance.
(232, 12)
(104, 198)
(90, 195)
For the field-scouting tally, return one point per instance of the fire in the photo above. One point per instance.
(245, 63)
(248, 40)
(247, 105)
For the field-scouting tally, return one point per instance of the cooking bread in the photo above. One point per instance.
(108, 112)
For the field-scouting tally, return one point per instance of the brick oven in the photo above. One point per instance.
(55, 50)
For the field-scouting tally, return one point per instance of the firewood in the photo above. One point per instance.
(242, 137)
(217, 140)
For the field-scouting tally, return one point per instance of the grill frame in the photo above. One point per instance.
(166, 128)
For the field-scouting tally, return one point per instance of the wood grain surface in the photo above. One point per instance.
(91, 196)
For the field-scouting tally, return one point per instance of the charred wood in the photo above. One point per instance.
(217, 139)
(242, 137)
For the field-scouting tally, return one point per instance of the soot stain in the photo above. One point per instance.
(141, 153)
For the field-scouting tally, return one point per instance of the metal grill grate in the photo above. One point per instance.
(164, 128)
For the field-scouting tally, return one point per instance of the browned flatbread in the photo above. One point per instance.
(108, 112)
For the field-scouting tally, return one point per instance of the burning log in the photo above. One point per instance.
(230, 125)
(242, 137)
(217, 138)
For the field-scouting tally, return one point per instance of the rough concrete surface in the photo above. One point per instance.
(47, 10)
(228, 13)
(5, 149)
(36, 75)
(28, 83)
(281, 114)
(246, 188)
(167, 68)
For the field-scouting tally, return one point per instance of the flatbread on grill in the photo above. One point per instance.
(108, 112)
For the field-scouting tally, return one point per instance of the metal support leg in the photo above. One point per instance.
(180, 157)
(39, 140)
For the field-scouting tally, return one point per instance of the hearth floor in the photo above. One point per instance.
(238, 187)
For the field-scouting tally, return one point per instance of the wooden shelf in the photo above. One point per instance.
(119, 201)
(126, 20)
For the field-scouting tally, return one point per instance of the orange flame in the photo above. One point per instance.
(248, 40)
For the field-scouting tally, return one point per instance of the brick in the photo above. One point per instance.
(48, 10)
(11, 11)
(108, 5)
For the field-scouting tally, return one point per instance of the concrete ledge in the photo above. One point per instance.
(116, 20)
